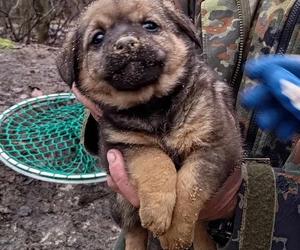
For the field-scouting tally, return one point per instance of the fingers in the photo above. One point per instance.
(274, 117)
(112, 184)
(281, 83)
(276, 100)
(94, 109)
(255, 96)
(222, 205)
(256, 67)
(119, 180)
(289, 91)
(269, 116)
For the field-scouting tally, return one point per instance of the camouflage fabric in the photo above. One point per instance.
(294, 44)
(224, 25)
(287, 223)
(268, 37)
(221, 35)
(290, 167)
(234, 31)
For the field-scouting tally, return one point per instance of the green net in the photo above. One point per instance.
(40, 138)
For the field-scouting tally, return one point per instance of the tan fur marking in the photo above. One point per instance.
(133, 138)
(135, 11)
(106, 8)
(103, 14)
(202, 241)
(190, 198)
(104, 93)
(194, 131)
(189, 138)
(101, 91)
(154, 175)
(174, 68)
(136, 239)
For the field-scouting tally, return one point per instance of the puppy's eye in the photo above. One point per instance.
(98, 38)
(150, 26)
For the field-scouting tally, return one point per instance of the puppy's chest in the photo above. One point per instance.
(177, 124)
(168, 132)
(148, 124)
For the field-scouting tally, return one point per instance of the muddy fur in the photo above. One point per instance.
(163, 108)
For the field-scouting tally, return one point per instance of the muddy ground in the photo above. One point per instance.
(41, 215)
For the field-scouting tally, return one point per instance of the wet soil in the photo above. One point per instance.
(36, 214)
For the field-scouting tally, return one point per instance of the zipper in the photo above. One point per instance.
(288, 28)
(236, 73)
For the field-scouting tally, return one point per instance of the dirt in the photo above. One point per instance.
(36, 214)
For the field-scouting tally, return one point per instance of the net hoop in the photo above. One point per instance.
(37, 173)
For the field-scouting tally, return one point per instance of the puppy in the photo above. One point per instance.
(163, 108)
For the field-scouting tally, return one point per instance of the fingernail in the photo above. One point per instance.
(111, 157)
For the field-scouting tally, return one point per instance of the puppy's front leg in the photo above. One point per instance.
(154, 175)
(136, 239)
(195, 185)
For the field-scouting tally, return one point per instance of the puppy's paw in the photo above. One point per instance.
(179, 236)
(156, 212)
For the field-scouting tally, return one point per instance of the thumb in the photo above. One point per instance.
(118, 173)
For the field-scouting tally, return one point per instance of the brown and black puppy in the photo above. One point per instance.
(163, 108)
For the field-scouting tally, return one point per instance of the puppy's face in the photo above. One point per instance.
(125, 52)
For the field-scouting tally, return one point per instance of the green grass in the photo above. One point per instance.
(6, 44)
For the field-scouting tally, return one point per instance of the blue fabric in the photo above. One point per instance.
(276, 96)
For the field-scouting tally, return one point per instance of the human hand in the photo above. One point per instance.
(118, 180)
(277, 99)
(94, 109)
(223, 204)
(220, 207)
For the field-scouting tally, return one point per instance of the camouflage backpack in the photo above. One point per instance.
(234, 31)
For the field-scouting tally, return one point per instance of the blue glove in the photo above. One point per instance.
(276, 99)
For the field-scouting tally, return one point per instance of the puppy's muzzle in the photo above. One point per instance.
(132, 62)
(126, 44)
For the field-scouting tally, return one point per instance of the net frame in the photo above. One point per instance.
(92, 175)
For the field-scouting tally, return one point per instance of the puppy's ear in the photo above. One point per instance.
(183, 23)
(68, 60)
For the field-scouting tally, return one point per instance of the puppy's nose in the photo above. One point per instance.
(126, 43)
